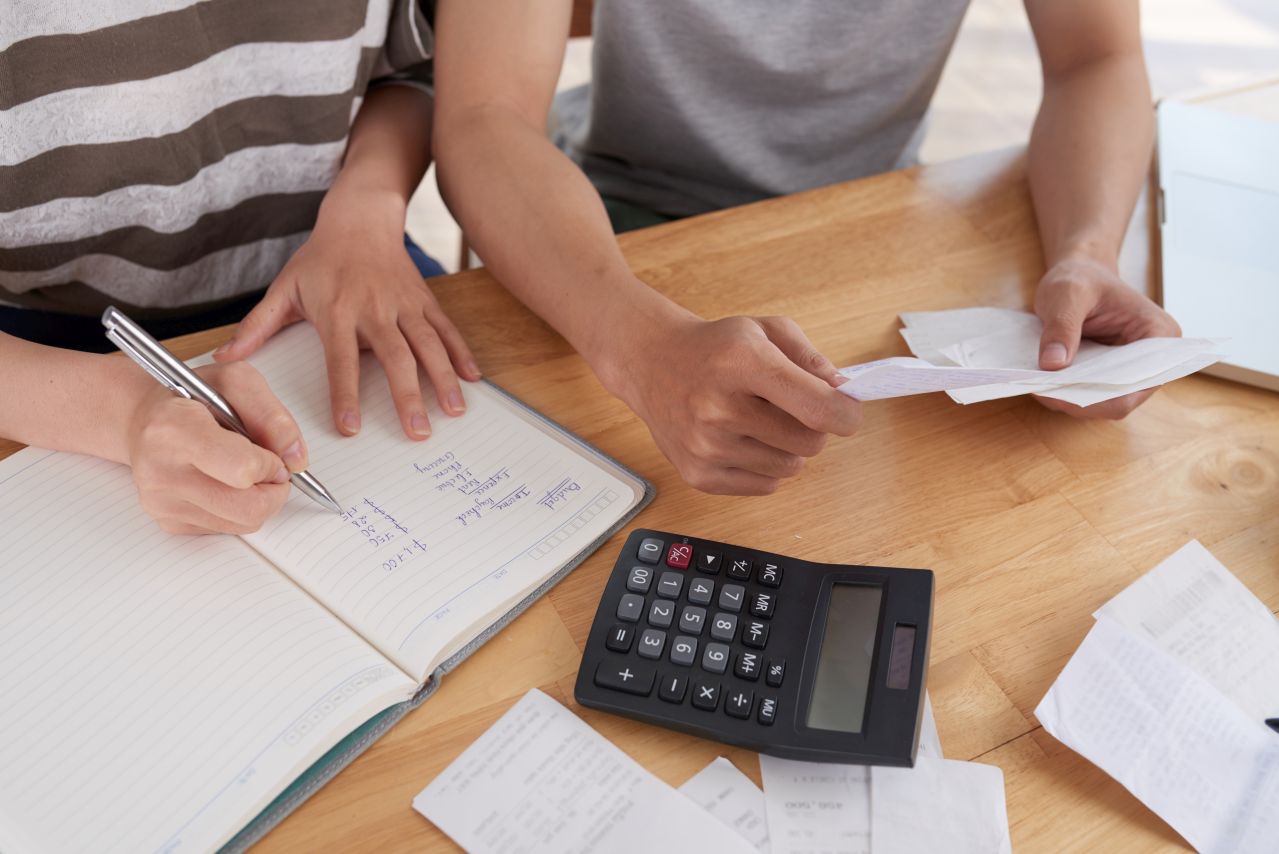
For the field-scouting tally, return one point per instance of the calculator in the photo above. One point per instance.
(812, 661)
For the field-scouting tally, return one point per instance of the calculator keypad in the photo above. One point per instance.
(726, 671)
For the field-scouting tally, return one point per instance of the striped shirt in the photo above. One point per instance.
(166, 155)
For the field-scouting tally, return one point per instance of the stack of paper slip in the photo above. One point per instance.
(977, 354)
(1169, 694)
(541, 780)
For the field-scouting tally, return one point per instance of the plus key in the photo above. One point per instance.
(679, 555)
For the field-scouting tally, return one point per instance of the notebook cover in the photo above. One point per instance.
(345, 751)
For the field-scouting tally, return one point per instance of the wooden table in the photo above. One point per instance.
(1031, 520)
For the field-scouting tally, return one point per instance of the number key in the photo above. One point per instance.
(684, 650)
(650, 550)
(651, 643)
(731, 597)
(715, 658)
(661, 614)
(724, 626)
(639, 579)
(670, 585)
(692, 619)
(700, 591)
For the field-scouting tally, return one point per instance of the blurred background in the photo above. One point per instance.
(990, 89)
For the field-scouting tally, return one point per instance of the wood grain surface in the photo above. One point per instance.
(1031, 520)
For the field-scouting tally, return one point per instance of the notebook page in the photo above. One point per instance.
(439, 536)
(159, 690)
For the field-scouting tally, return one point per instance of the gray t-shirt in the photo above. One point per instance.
(697, 105)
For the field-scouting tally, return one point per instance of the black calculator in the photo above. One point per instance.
(812, 661)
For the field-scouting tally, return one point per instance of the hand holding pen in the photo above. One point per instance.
(194, 474)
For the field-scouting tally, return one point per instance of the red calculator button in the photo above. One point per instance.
(679, 555)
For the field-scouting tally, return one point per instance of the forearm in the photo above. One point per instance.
(66, 400)
(388, 151)
(1089, 156)
(541, 228)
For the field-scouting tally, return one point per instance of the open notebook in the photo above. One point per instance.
(167, 693)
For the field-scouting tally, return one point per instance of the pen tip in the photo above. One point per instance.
(1273, 723)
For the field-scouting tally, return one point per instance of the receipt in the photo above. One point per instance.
(1195, 610)
(732, 798)
(939, 805)
(960, 344)
(540, 779)
(1171, 738)
(816, 807)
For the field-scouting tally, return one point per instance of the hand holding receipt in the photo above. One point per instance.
(176, 376)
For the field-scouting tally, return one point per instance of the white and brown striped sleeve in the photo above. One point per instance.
(167, 154)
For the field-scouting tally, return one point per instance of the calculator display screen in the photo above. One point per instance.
(838, 701)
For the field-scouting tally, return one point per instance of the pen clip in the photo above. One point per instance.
(128, 348)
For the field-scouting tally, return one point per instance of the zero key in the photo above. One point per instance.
(630, 677)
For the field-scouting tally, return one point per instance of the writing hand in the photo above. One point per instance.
(736, 404)
(355, 282)
(196, 477)
(1082, 298)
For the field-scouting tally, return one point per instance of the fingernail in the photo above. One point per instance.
(292, 457)
(473, 369)
(1055, 354)
(420, 426)
(281, 476)
(226, 346)
(456, 403)
(350, 422)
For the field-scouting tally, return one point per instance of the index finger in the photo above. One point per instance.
(268, 421)
(810, 400)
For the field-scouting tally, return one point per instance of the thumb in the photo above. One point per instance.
(268, 317)
(1063, 311)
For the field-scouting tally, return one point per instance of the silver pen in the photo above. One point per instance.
(134, 341)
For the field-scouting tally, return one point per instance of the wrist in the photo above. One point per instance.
(351, 203)
(626, 330)
(125, 386)
(1085, 250)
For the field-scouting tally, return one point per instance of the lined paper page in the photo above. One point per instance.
(439, 536)
(158, 690)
